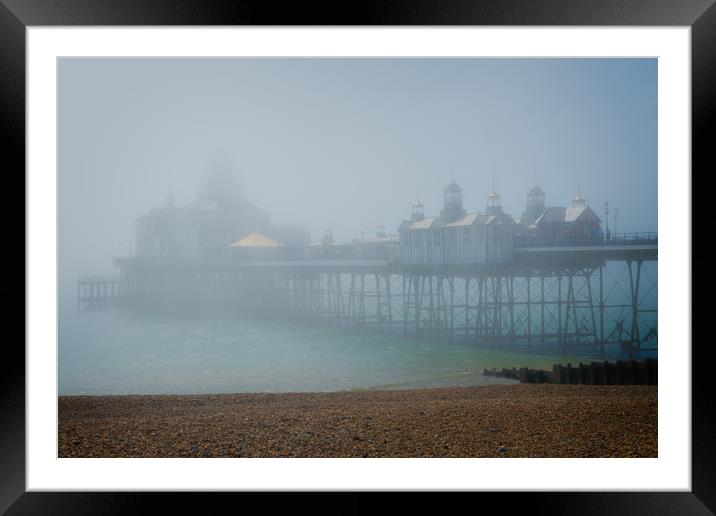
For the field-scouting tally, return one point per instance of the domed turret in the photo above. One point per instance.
(535, 204)
(418, 210)
(494, 201)
(327, 238)
(535, 195)
(452, 203)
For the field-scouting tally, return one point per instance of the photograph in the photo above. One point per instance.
(357, 257)
(408, 248)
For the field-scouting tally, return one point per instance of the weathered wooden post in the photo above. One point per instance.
(621, 372)
(584, 374)
(652, 371)
(523, 375)
(611, 373)
(641, 373)
(600, 373)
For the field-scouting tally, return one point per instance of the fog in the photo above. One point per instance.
(343, 143)
(340, 144)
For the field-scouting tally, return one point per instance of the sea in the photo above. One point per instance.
(109, 351)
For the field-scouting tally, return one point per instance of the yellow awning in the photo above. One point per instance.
(256, 240)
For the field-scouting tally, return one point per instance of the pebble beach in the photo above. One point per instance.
(520, 420)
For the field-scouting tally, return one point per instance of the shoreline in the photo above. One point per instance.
(447, 381)
(518, 420)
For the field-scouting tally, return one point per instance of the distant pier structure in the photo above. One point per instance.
(99, 291)
(549, 280)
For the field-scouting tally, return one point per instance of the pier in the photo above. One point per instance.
(551, 280)
(552, 297)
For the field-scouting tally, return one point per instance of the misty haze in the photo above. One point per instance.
(376, 234)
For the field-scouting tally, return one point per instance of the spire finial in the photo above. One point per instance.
(417, 206)
(579, 201)
(616, 215)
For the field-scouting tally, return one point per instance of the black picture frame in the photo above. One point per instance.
(17, 15)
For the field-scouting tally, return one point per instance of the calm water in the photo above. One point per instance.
(110, 352)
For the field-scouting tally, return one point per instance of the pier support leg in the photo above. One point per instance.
(529, 313)
(601, 309)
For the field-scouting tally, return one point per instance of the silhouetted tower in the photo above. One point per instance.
(535, 203)
(452, 203)
(494, 202)
(616, 215)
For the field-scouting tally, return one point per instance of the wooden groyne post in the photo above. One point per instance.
(621, 372)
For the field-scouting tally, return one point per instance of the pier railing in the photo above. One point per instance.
(632, 238)
(614, 239)
(99, 291)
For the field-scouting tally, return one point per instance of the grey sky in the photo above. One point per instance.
(340, 143)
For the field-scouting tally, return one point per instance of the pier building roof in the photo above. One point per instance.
(481, 218)
(468, 220)
(426, 223)
(256, 240)
(562, 214)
